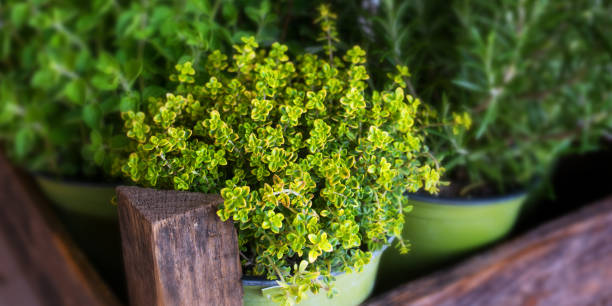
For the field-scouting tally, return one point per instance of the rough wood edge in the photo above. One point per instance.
(55, 267)
(479, 269)
(172, 240)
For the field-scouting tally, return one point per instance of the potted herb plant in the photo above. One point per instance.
(312, 166)
(530, 77)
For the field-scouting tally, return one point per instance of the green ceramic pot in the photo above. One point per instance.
(86, 211)
(353, 288)
(442, 229)
(83, 199)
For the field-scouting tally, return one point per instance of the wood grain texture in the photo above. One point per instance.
(176, 250)
(57, 271)
(14, 286)
(565, 262)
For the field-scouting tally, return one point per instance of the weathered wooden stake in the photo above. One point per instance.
(176, 250)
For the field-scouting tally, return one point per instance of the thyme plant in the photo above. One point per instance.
(311, 164)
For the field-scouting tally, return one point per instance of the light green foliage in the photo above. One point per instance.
(535, 79)
(312, 165)
(329, 33)
(68, 68)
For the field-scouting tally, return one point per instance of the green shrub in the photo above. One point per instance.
(65, 64)
(535, 79)
(533, 76)
(311, 164)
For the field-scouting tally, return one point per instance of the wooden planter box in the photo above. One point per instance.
(178, 253)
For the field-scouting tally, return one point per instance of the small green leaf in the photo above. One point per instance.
(132, 70)
(19, 13)
(468, 85)
(129, 102)
(75, 91)
(92, 115)
(24, 142)
(104, 82)
(43, 78)
(95, 137)
(99, 156)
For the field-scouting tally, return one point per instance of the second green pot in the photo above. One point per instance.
(440, 230)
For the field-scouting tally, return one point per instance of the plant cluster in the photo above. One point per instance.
(68, 68)
(532, 75)
(312, 165)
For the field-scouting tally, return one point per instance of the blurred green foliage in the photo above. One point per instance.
(533, 75)
(67, 68)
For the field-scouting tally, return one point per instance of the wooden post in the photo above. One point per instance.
(56, 270)
(565, 262)
(176, 250)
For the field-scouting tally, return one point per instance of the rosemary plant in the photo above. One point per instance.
(532, 75)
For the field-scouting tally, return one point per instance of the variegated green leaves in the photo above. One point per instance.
(312, 166)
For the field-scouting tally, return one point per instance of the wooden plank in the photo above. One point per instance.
(57, 271)
(565, 262)
(14, 287)
(176, 250)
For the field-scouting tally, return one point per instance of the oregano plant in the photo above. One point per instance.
(312, 164)
(68, 68)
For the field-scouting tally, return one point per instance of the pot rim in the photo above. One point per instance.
(258, 281)
(75, 182)
(467, 201)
